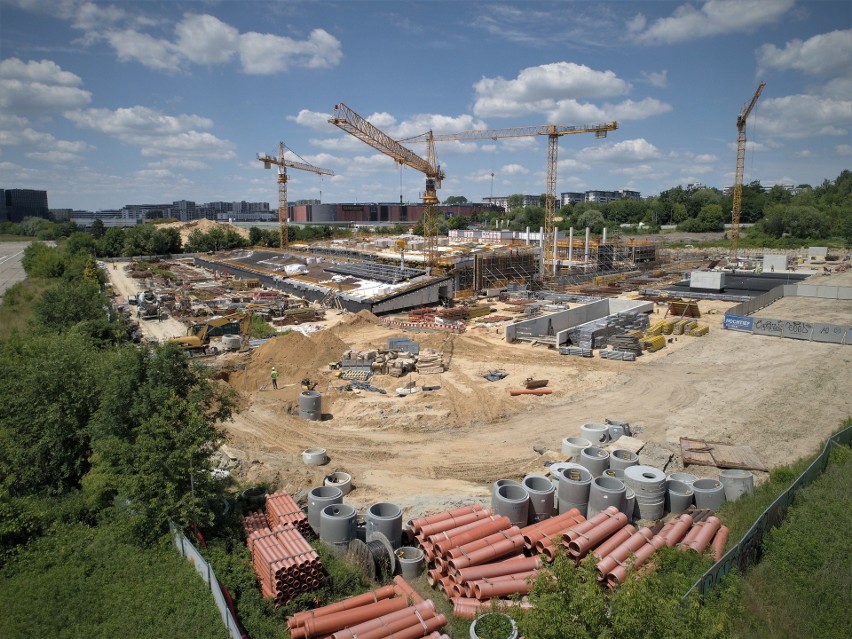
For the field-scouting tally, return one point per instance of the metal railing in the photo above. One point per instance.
(188, 550)
(749, 549)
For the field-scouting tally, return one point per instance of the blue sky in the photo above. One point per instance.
(105, 104)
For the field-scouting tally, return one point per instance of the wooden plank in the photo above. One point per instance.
(720, 454)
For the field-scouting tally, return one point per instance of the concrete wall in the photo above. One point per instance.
(818, 251)
(561, 322)
(774, 263)
(707, 280)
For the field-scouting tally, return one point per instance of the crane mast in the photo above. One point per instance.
(738, 174)
(553, 133)
(349, 121)
(283, 164)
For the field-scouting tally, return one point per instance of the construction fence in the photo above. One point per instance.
(750, 548)
(188, 550)
(738, 317)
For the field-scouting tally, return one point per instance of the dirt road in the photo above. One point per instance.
(435, 449)
(126, 287)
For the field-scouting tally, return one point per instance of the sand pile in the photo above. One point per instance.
(204, 226)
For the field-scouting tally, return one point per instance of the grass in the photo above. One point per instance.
(87, 582)
(801, 588)
(17, 307)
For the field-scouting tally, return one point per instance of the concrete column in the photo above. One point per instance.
(588, 237)
(570, 245)
(541, 247)
(528, 236)
(555, 242)
(603, 240)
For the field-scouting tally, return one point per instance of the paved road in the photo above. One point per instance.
(11, 271)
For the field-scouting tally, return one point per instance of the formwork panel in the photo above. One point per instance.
(797, 330)
(830, 333)
(763, 326)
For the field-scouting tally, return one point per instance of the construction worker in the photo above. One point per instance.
(274, 378)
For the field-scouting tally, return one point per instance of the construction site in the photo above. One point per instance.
(510, 395)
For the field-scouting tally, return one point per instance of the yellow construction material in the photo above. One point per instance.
(654, 343)
(700, 330)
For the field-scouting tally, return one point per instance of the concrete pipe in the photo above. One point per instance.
(512, 501)
(318, 499)
(542, 496)
(620, 459)
(617, 473)
(595, 460)
(709, 493)
(573, 446)
(411, 562)
(340, 479)
(574, 486)
(679, 496)
(649, 485)
(310, 405)
(337, 527)
(629, 503)
(617, 429)
(737, 483)
(605, 492)
(315, 456)
(496, 486)
(598, 434)
(686, 478)
(385, 518)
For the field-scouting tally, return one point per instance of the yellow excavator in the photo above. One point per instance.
(197, 338)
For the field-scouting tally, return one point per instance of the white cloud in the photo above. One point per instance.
(311, 119)
(571, 165)
(341, 143)
(638, 150)
(437, 123)
(657, 79)
(843, 149)
(824, 54)
(156, 133)
(636, 170)
(93, 17)
(800, 116)
(715, 17)
(178, 163)
(204, 39)
(56, 157)
(806, 153)
(265, 54)
(838, 88)
(514, 169)
(135, 46)
(27, 87)
(538, 89)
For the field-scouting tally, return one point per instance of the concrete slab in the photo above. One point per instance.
(654, 455)
(632, 444)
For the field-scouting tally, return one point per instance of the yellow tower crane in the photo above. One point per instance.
(553, 133)
(284, 164)
(738, 174)
(346, 119)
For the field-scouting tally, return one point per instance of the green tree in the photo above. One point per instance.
(81, 243)
(456, 199)
(112, 243)
(255, 236)
(41, 260)
(49, 386)
(152, 446)
(98, 229)
(63, 305)
(515, 201)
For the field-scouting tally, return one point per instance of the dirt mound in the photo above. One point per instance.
(204, 226)
(294, 355)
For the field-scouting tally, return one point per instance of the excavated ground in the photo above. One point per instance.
(433, 450)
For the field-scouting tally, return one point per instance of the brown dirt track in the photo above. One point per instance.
(432, 450)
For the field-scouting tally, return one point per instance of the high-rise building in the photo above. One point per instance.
(21, 203)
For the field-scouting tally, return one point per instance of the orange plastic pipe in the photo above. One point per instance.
(693, 532)
(549, 527)
(417, 524)
(613, 542)
(339, 620)
(580, 545)
(503, 589)
(420, 630)
(459, 551)
(404, 589)
(676, 532)
(425, 608)
(512, 545)
(586, 526)
(617, 574)
(396, 626)
(508, 567)
(481, 531)
(620, 554)
(451, 523)
(719, 542)
(706, 534)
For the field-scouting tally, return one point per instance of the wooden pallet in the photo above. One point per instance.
(706, 453)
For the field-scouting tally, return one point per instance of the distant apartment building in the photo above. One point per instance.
(377, 212)
(503, 201)
(241, 211)
(128, 216)
(601, 197)
(20, 203)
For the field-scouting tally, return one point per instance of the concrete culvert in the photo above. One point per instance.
(513, 501)
(318, 499)
(595, 460)
(686, 478)
(542, 494)
(315, 456)
(337, 527)
(410, 561)
(620, 459)
(596, 433)
(709, 493)
(310, 405)
(496, 486)
(679, 496)
(385, 518)
(573, 446)
(737, 483)
(605, 492)
(574, 484)
(340, 479)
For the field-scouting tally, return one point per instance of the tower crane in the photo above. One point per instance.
(553, 133)
(346, 119)
(738, 174)
(284, 164)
